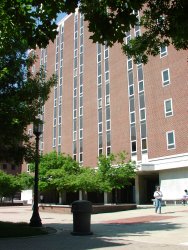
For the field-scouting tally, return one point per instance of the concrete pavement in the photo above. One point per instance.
(132, 230)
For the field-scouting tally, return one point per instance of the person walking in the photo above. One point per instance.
(158, 199)
(185, 197)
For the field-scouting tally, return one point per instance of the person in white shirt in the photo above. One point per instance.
(185, 197)
(158, 199)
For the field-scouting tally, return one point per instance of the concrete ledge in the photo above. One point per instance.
(171, 201)
(66, 209)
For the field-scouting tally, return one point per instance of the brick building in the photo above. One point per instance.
(105, 103)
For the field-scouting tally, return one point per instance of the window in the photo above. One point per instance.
(4, 166)
(132, 117)
(28, 169)
(170, 137)
(131, 90)
(163, 51)
(30, 132)
(165, 77)
(13, 167)
(168, 107)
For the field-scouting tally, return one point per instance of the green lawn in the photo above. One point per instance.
(9, 229)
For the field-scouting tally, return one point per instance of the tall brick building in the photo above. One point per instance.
(105, 103)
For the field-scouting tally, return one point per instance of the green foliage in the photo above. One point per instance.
(26, 180)
(87, 180)
(21, 97)
(114, 172)
(61, 172)
(57, 171)
(11, 184)
(27, 24)
(164, 22)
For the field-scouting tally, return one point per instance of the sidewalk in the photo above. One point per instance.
(132, 230)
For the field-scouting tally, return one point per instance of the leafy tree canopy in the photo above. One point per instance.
(115, 172)
(21, 97)
(11, 184)
(164, 22)
(57, 171)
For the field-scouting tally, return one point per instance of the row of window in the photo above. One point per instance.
(6, 166)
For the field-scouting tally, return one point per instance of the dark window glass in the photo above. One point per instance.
(130, 77)
(107, 113)
(81, 101)
(131, 90)
(74, 124)
(106, 65)
(99, 68)
(130, 64)
(133, 117)
(75, 82)
(100, 151)
(74, 104)
(100, 141)
(81, 79)
(133, 132)
(99, 48)
(108, 150)
(144, 144)
(141, 86)
(81, 157)
(133, 146)
(108, 138)
(81, 146)
(142, 101)
(100, 115)
(81, 121)
(131, 103)
(165, 77)
(99, 91)
(140, 73)
(74, 147)
(143, 130)
(4, 166)
(99, 58)
(81, 59)
(107, 88)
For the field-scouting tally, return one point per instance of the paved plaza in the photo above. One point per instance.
(132, 230)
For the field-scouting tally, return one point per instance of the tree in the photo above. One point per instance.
(57, 171)
(21, 97)
(115, 172)
(164, 22)
(27, 24)
(11, 184)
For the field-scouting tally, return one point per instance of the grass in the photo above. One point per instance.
(10, 229)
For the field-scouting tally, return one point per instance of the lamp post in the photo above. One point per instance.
(35, 220)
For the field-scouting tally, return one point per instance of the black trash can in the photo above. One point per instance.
(81, 210)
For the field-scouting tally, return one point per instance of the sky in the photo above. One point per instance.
(60, 16)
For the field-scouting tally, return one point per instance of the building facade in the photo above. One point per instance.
(104, 103)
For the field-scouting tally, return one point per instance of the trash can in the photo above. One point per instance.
(81, 210)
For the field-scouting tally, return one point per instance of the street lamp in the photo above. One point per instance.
(35, 220)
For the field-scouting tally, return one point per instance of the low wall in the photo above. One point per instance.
(66, 209)
(11, 204)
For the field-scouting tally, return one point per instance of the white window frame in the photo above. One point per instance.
(165, 53)
(165, 83)
(28, 169)
(168, 113)
(170, 146)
